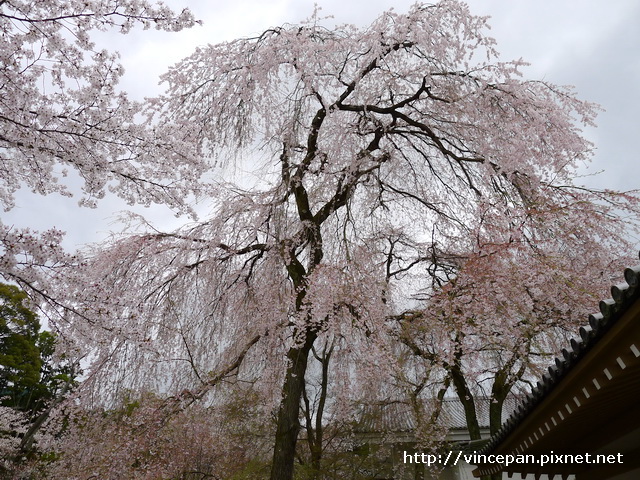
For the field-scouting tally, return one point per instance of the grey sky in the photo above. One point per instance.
(594, 46)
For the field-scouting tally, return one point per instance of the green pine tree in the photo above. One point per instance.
(29, 377)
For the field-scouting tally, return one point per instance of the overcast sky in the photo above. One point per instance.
(594, 46)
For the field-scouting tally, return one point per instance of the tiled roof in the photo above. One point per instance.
(386, 417)
(399, 417)
(611, 310)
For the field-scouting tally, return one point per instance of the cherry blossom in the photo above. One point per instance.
(63, 118)
(415, 211)
(414, 196)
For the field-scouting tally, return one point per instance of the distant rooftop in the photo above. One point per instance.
(399, 417)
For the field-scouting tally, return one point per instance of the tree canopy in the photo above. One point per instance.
(30, 374)
(414, 207)
(63, 122)
(33, 379)
(412, 212)
(20, 359)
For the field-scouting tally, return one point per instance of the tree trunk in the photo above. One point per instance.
(316, 447)
(464, 394)
(288, 426)
(499, 393)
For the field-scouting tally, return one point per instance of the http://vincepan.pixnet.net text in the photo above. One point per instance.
(452, 458)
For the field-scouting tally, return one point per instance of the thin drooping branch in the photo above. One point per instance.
(178, 403)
